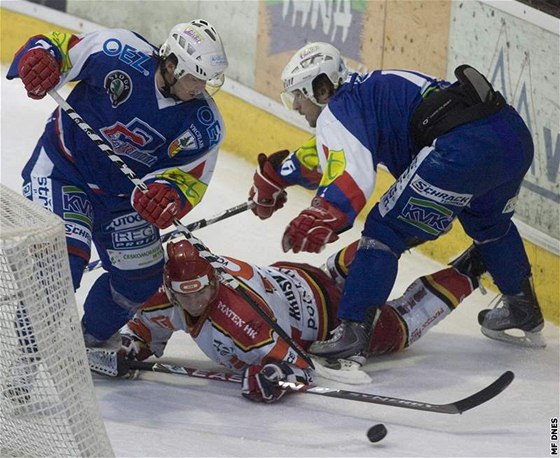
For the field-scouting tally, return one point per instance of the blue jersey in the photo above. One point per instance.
(366, 123)
(472, 171)
(386, 101)
(157, 137)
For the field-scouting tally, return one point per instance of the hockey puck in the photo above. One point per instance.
(376, 432)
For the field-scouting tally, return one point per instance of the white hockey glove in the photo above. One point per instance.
(132, 347)
(260, 383)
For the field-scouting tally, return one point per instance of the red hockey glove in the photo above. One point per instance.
(39, 71)
(267, 191)
(160, 205)
(314, 227)
(260, 383)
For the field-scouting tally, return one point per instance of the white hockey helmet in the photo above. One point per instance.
(199, 51)
(306, 64)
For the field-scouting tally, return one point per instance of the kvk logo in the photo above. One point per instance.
(119, 87)
(427, 216)
(76, 206)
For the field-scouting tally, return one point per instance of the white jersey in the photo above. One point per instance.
(297, 297)
(303, 301)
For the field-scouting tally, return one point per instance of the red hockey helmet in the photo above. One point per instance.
(190, 281)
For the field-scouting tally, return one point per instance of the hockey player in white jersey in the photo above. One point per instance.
(301, 299)
(457, 151)
(153, 106)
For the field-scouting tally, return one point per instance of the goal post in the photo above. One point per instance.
(47, 399)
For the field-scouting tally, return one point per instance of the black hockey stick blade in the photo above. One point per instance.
(458, 407)
(485, 394)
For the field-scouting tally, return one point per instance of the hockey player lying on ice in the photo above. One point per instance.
(301, 298)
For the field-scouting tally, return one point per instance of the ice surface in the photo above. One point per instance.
(167, 415)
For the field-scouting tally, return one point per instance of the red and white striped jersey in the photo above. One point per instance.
(300, 298)
(303, 301)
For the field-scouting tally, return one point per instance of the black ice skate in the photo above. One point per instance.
(520, 314)
(349, 342)
(470, 263)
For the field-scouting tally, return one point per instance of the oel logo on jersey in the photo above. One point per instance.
(119, 87)
(127, 54)
(206, 116)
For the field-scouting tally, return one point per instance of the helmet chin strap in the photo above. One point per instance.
(320, 105)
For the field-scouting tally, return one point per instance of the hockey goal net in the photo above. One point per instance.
(47, 399)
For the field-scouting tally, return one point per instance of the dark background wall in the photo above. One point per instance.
(551, 7)
(54, 4)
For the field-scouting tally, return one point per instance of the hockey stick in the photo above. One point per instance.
(110, 363)
(457, 407)
(202, 249)
(192, 227)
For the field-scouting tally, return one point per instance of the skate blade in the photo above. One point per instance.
(341, 370)
(524, 339)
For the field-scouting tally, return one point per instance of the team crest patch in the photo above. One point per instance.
(119, 87)
(336, 164)
(188, 141)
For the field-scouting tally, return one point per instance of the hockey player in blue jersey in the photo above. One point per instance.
(456, 151)
(153, 106)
